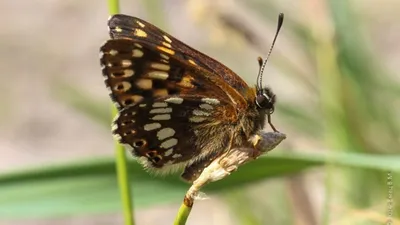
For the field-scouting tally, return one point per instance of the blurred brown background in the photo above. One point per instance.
(49, 45)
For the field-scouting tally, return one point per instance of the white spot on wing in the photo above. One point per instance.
(128, 73)
(161, 75)
(137, 53)
(206, 106)
(165, 133)
(166, 44)
(174, 100)
(151, 126)
(113, 52)
(145, 84)
(176, 156)
(117, 137)
(161, 110)
(169, 143)
(197, 112)
(164, 56)
(160, 66)
(192, 62)
(140, 24)
(123, 86)
(162, 117)
(211, 101)
(118, 29)
(167, 38)
(114, 127)
(168, 152)
(126, 63)
(160, 104)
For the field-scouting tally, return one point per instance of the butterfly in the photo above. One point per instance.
(177, 107)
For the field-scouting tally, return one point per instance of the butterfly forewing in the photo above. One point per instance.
(123, 26)
(134, 72)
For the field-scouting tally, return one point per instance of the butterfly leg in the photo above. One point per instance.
(270, 123)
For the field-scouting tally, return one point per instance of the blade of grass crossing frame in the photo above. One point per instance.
(120, 154)
(183, 214)
(113, 6)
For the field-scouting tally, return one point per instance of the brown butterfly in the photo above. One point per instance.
(178, 108)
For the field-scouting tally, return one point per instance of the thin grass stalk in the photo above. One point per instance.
(330, 88)
(120, 154)
(123, 181)
(183, 212)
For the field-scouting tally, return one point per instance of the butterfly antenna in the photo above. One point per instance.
(262, 62)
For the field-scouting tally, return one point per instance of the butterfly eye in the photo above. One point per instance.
(266, 100)
(263, 102)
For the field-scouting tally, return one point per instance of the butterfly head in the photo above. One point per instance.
(265, 100)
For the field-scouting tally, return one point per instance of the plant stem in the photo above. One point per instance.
(184, 211)
(120, 154)
(113, 6)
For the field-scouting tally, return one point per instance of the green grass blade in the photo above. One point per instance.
(113, 6)
(90, 186)
(121, 160)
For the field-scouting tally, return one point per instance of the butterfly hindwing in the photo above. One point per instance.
(162, 132)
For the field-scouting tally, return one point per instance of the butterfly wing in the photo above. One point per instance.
(135, 70)
(170, 132)
(123, 26)
(168, 106)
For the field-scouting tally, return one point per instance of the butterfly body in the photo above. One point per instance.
(178, 108)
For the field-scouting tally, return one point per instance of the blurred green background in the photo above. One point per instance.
(334, 69)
